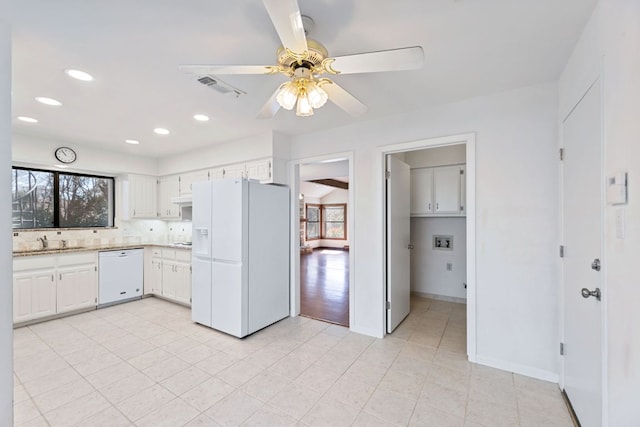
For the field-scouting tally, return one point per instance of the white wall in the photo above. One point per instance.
(610, 48)
(6, 261)
(621, 22)
(517, 211)
(254, 147)
(38, 152)
(441, 156)
(429, 274)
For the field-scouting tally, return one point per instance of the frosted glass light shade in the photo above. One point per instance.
(317, 96)
(287, 96)
(304, 106)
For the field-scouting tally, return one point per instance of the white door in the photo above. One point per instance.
(398, 242)
(582, 222)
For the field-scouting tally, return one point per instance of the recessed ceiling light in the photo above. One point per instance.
(79, 75)
(132, 141)
(201, 117)
(48, 101)
(27, 119)
(161, 131)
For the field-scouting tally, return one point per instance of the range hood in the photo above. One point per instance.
(182, 200)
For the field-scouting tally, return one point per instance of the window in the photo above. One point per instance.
(313, 222)
(326, 222)
(45, 199)
(333, 222)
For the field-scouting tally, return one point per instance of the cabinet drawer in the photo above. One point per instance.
(77, 258)
(35, 262)
(168, 253)
(183, 255)
(156, 252)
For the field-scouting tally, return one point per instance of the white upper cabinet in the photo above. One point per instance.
(142, 196)
(438, 191)
(168, 188)
(234, 171)
(216, 173)
(187, 180)
(421, 191)
(259, 169)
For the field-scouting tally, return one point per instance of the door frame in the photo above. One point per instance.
(294, 185)
(595, 80)
(469, 139)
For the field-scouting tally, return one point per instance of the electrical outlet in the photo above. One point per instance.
(443, 243)
(449, 266)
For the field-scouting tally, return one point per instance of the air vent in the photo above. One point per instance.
(219, 86)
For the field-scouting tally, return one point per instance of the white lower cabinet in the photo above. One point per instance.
(34, 294)
(169, 274)
(44, 285)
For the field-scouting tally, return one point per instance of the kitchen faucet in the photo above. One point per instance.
(45, 242)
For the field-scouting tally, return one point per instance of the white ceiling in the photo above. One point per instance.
(133, 48)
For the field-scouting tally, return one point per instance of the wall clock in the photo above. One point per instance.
(65, 155)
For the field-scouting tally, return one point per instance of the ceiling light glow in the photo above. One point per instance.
(201, 117)
(79, 75)
(48, 101)
(27, 119)
(161, 131)
(132, 141)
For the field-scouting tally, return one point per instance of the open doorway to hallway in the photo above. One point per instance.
(432, 251)
(324, 241)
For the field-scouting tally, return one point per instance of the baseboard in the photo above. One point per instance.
(516, 368)
(366, 331)
(439, 297)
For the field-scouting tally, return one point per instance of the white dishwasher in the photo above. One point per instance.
(120, 276)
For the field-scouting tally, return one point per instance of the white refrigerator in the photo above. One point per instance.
(240, 255)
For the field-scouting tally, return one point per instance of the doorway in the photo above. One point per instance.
(448, 236)
(323, 192)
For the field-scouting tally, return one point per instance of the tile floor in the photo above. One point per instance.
(146, 364)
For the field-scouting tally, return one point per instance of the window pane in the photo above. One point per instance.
(334, 214)
(32, 197)
(313, 214)
(313, 230)
(85, 201)
(334, 230)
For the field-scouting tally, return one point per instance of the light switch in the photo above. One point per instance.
(617, 189)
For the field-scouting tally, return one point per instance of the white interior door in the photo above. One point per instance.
(398, 242)
(582, 221)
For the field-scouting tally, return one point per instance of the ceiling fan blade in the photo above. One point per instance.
(226, 69)
(286, 18)
(270, 108)
(344, 99)
(408, 58)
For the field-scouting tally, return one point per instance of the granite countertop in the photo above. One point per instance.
(107, 247)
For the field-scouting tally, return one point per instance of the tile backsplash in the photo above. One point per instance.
(133, 231)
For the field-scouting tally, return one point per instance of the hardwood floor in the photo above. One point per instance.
(324, 285)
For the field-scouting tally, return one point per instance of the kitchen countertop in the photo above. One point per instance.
(107, 247)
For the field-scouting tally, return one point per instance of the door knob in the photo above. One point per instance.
(586, 293)
(595, 265)
(410, 246)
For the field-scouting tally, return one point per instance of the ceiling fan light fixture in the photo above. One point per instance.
(304, 108)
(288, 95)
(317, 96)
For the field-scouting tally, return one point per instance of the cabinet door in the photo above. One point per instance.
(446, 182)
(234, 171)
(76, 287)
(259, 169)
(187, 180)
(216, 173)
(156, 276)
(168, 188)
(422, 191)
(169, 279)
(34, 295)
(142, 196)
(183, 283)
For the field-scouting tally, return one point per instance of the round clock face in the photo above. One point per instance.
(65, 155)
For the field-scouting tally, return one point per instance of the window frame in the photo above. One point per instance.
(319, 222)
(344, 221)
(56, 199)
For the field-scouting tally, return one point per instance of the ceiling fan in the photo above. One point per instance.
(306, 62)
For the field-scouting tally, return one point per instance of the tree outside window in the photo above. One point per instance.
(313, 222)
(45, 199)
(326, 221)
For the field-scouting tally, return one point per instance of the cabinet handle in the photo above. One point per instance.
(52, 278)
(437, 206)
(60, 276)
(429, 207)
